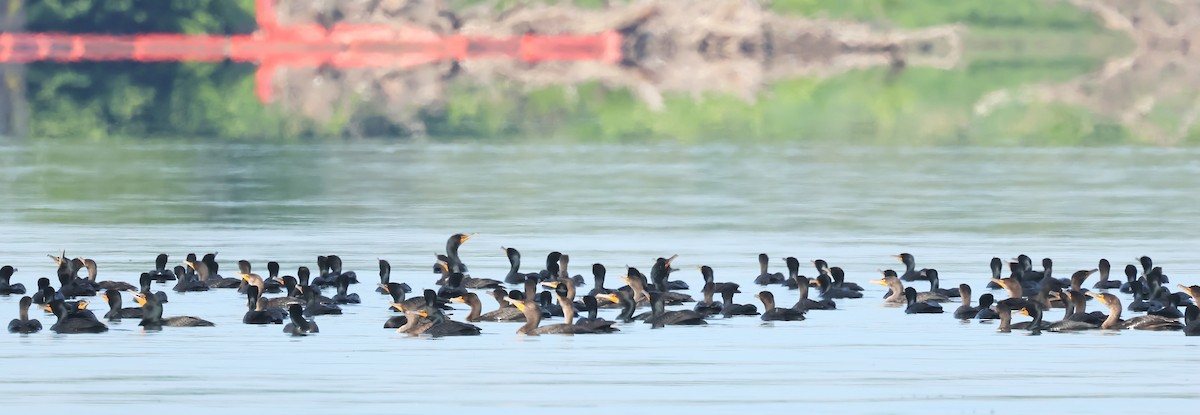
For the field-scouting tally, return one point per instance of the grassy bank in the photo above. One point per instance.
(1009, 44)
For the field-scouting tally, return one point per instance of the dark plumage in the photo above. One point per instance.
(764, 277)
(186, 283)
(1140, 301)
(1025, 267)
(329, 270)
(1131, 275)
(294, 294)
(39, 296)
(466, 281)
(592, 322)
(92, 270)
(450, 281)
(919, 307)
(385, 276)
(533, 319)
(772, 313)
(6, 287)
(271, 284)
(395, 322)
(160, 272)
(804, 303)
(70, 285)
(23, 324)
(552, 267)
(1036, 325)
(706, 273)
(730, 309)
(660, 273)
(965, 311)
(997, 266)
(1147, 265)
(1076, 309)
(505, 313)
(67, 324)
(442, 326)
(1106, 284)
(325, 274)
(829, 291)
(1192, 291)
(144, 286)
(641, 286)
(115, 311)
(1012, 285)
(1004, 309)
(598, 274)
(1078, 278)
(934, 281)
(1148, 322)
(152, 318)
(452, 244)
(660, 317)
(985, 308)
(209, 273)
(897, 296)
(472, 300)
(515, 276)
(911, 273)
(839, 280)
(428, 319)
(1191, 320)
(313, 305)
(563, 262)
(1165, 306)
(258, 312)
(793, 271)
(399, 302)
(624, 299)
(707, 306)
(298, 325)
(564, 292)
(343, 296)
(545, 302)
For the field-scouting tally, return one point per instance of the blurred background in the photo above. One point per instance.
(1013, 72)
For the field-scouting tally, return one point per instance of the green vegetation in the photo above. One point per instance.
(140, 16)
(1011, 43)
(121, 99)
(1018, 15)
(923, 106)
(104, 99)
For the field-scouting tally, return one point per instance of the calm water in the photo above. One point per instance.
(954, 208)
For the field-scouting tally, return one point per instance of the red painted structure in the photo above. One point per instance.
(312, 45)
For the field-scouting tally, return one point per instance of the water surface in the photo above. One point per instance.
(717, 205)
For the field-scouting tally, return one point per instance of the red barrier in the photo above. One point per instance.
(310, 45)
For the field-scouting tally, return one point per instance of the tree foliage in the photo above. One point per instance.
(141, 16)
(98, 100)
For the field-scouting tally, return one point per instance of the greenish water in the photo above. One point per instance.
(121, 203)
(828, 190)
(124, 161)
